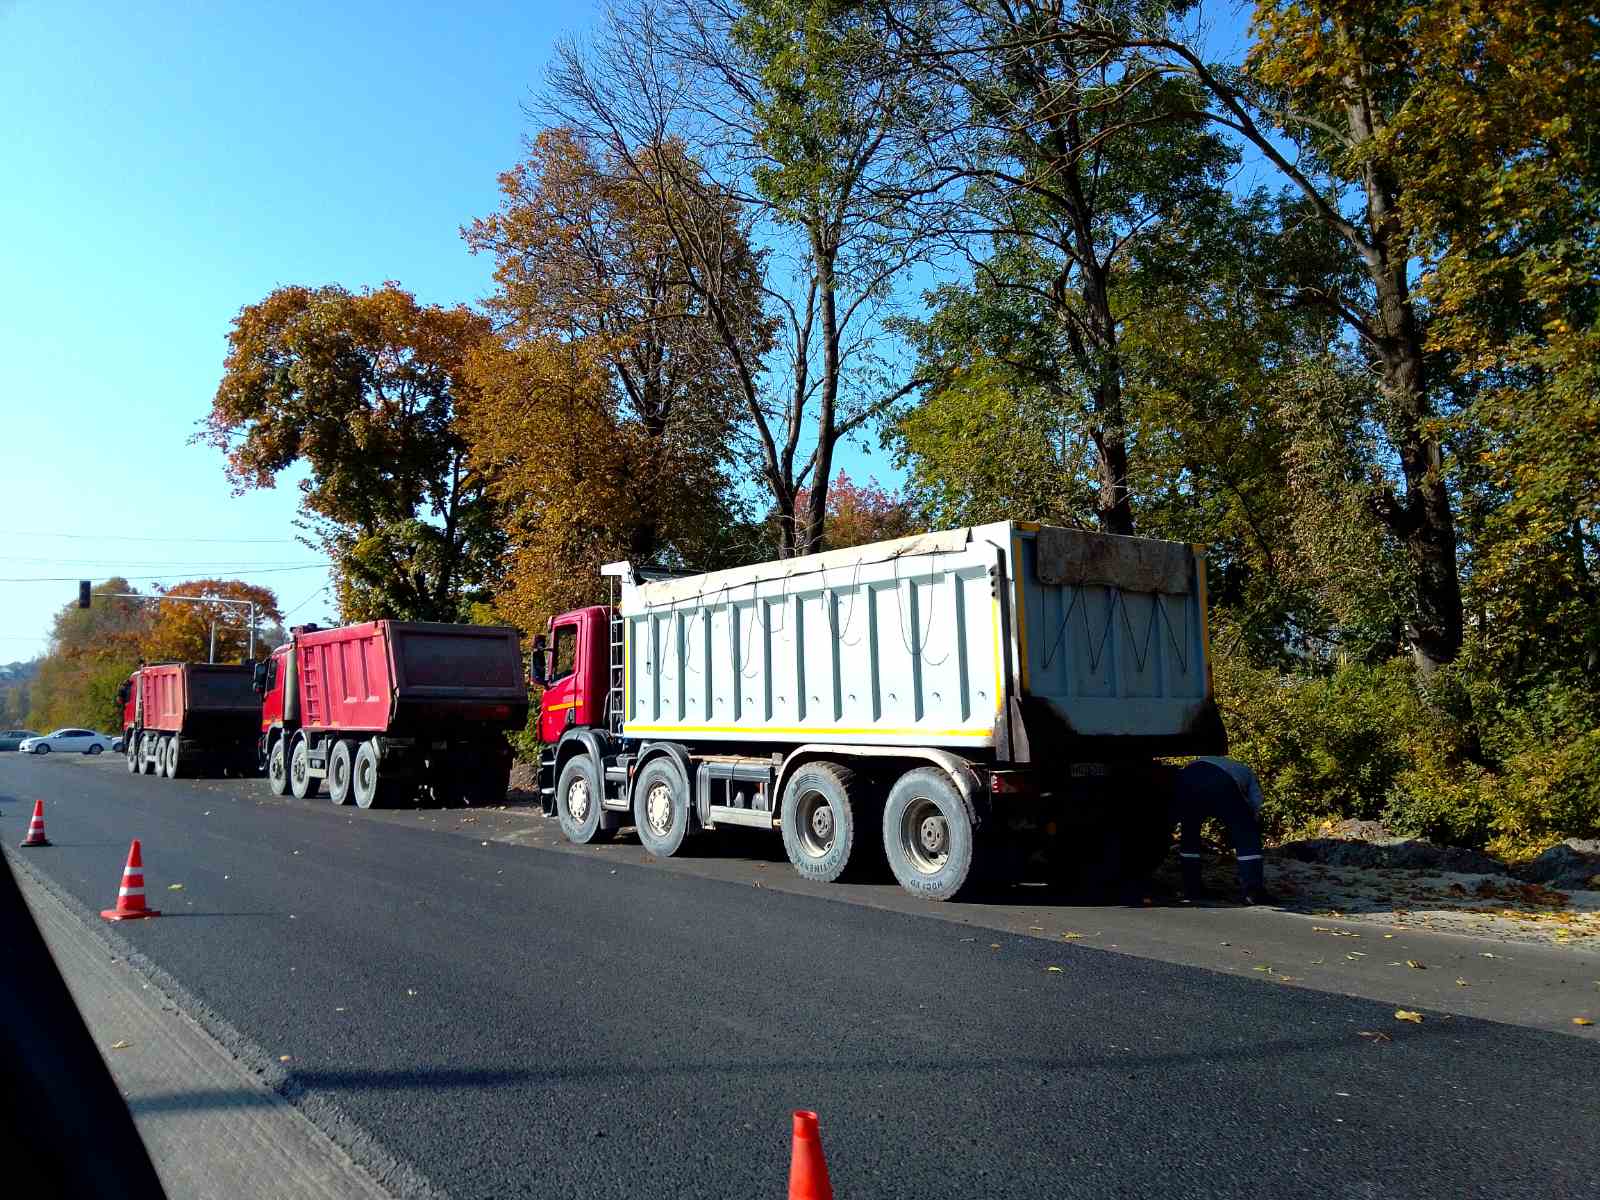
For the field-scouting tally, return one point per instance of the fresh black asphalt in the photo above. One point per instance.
(516, 1022)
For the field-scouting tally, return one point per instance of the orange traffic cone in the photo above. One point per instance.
(808, 1173)
(36, 835)
(130, 896)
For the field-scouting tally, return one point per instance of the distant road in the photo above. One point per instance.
(518, 1020)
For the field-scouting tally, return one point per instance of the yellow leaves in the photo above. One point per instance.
(120, 1045)
(1052, 970)
(1406, 1014)
(1582, 1021)
(1415, 965)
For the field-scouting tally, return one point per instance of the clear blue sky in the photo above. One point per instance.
(166, 164)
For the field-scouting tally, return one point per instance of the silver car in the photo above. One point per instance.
(68, 741)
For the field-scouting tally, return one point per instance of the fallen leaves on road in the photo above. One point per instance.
(1582, 1021)
(1462, 983)
(1070, 936)
(1052, 970)
(285, 1058)
(1334, 932)
(1375, 1035)
(1405, 1014)
(1415, 965)
(120, 1045)
(994, 945)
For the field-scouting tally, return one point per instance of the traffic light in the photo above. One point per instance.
(83, 593)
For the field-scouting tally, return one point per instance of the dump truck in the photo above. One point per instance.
(385, 710)
(962, 704)
(190, 719)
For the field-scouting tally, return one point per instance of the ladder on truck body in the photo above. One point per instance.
(614, 713)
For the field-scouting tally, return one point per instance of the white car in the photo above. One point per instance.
(67, 741)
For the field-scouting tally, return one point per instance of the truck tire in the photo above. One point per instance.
(130, 751)
(578, 806)
(823, 821)
(661, 807)
(340, 764)
(301, 784)
(168, 766)
(278, 769)
(150, 750)
(928, 835)
(366, 787)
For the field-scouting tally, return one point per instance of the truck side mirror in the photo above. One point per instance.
(258, 680)
(538, 661)
(122, 694)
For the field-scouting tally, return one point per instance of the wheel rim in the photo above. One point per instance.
(814, 823)
(275, 764)
(578, 801)
(298, 770)
(658, 809)
(925, 836)
(364, 780)
(338, 775)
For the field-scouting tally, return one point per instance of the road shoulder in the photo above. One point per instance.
(212, 1128)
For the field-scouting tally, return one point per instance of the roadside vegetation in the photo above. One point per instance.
(1327, 304)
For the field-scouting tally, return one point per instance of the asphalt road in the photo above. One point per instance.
(513, 1020)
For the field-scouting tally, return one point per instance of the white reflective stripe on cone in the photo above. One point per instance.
(138, 891)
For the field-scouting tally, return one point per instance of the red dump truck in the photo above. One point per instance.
(189, 719)
(385, 709)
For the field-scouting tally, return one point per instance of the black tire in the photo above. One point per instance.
(94, 748)
(366, 785)
(278, 769)
(42, 748)
(151, 750)
(301, 785)
(168, 765)
(340, 763)
(583, 822)
(827, 831)
(661, 807)
(928, 836)
(130, 751)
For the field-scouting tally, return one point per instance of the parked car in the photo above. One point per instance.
(67, 741)
(10, 739)
(118, 744)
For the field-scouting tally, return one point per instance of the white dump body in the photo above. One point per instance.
(919, 641)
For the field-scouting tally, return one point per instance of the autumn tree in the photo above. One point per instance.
(597, 321)
(91, 652)
(362, 390)
(180, 631)
(859, 513)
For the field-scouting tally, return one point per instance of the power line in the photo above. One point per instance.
(120, 537)
(168, 575)
(289, 613)
(175, 564)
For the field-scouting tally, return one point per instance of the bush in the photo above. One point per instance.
(1465, 764)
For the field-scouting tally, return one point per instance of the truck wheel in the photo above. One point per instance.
(278, 769)
(821, 833)
(339, 767)
(300, 781)
(130, 751)
(578, 802)
(661, 807)
(365, 785)
(928, 835)
(149, 753)
(177, 763)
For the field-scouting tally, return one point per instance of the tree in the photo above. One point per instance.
(182, 632)
(860, 513)
(584, 261)
(92, 650)
(1071, 175)
(362, 388)
(792, 113)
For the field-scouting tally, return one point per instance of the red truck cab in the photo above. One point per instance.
(571, 665)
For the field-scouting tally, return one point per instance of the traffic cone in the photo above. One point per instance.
(36, 835)
(130, 896)
(808, 1172)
